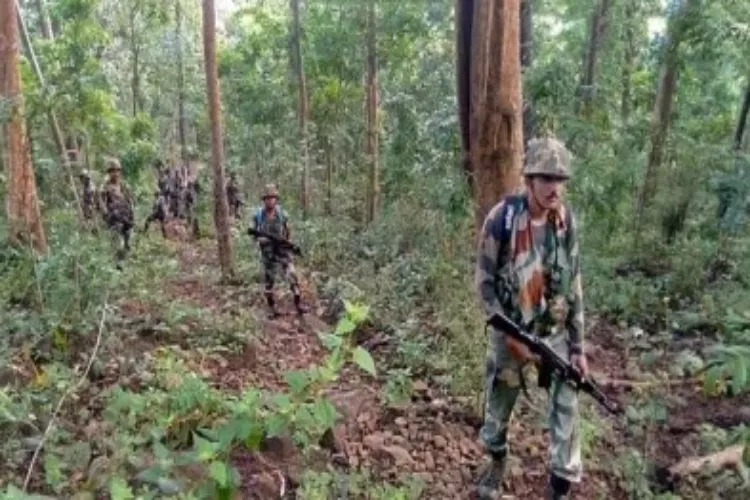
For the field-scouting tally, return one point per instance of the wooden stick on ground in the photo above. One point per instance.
(729, 457)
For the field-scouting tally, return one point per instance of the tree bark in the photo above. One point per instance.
(662, 112)
(221, 207)
(302, 105)
(372, 144)
(739, 132)
(180, 84)
(597, 29)
(493, 84)
(24, 216)
(629, 60)
(527, 57)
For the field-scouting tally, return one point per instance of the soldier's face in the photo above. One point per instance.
(547, 191)
(270, 202)
(114, 175)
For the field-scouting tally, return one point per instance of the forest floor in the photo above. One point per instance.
(433, 437)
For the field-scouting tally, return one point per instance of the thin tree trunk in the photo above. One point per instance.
(661, 115)
(45, 25)
(24, 216)
(372, 144)
(495, 135)
(629, 60)
(739, 132)
(135, 83)
(180, 83)
(464, 19)
(54, 124)
(527, 56)
(221, 207)
(329, 175)
(597, 27)
(302, 105)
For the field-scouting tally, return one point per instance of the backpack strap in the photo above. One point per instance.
(512, 205)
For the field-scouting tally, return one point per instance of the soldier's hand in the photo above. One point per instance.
(520, 352)
(580, 363)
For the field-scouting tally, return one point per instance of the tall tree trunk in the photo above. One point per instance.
(221, 207)
(489, 87)
(299, 71)
(329, 174)
(739, 132)
(57, 134)
(662, 112)
(22, 205)
(180, 84)
(45, 25)
(372, 144)
(527, 57)
(135, 83)
(629, 59)
(597, 28)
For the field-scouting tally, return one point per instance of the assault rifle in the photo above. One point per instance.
(282, 243)
(553, 363)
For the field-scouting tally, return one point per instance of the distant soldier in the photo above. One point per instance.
(88, 195)
(271, 218)
(117, 209)
(234, 197)
(158, 213)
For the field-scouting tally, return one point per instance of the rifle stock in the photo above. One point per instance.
(553, 361)
(276, 240)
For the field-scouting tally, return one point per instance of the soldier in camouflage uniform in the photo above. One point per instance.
(234, 197)
(158, 212)
(117, 209)
(88, 195)
(528, 269)
(271, 218)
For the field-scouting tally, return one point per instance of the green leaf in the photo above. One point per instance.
(325, 413)
(275, 424)
(205, 449)
(364, 360)
(220, 473)
(298, 381)
(357, 313)
(255, 436)
(330, 341)
(345, 326)
(119, 489)
(282, 402)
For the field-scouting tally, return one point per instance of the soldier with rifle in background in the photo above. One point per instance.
(234, 197)
(528, 270)
(117, 209)
(271, 230)
(88, 195)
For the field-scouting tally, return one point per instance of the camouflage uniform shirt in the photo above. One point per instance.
(530, 271)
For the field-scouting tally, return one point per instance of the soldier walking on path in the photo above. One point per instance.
(528, 269)
(117, 208)
(88, 195)
(234, 197)
(271, 218)
(158, 212)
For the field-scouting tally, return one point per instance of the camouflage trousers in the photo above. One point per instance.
(120, 233)
(273, 262)
(502, 385)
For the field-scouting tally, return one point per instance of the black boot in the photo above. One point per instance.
(558, 488)
(490, 480)
(301, 308)
(274, 313)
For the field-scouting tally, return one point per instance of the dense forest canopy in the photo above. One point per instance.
(390, 129)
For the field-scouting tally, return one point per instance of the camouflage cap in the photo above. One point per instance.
(85, 174)
(270, 192)
(113, 164)
(547, 156)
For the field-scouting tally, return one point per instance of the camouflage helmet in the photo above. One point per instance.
(547, 156)
(270, 192)
(85, 174)
(113, 164)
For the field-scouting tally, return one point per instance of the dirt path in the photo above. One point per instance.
(434, 437)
